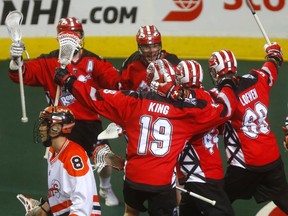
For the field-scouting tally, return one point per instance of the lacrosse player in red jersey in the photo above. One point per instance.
(157, 128)
(201, 168)
(87, 67)
(133, 71)
(255, 168)
(71, 183)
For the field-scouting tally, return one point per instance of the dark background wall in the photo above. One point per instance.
(24, 169)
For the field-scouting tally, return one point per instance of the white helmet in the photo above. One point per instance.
(222, 63)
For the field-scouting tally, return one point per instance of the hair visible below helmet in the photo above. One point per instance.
(161, 71)
(189, 74)
(222, 63)
(70, 24)
(149, 42)
(57, 120)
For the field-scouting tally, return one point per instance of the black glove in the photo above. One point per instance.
(63, 78)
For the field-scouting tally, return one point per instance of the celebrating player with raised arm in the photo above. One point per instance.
(200, 161)
(87, 67)
(255, 168)
(71, 183)
(157, 129)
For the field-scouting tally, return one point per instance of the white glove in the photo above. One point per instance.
(16, 50)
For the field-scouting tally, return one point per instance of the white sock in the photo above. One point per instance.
(105, 182)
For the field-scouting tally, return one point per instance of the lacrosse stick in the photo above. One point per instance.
(13, 22)
(28, 203)
(112, 131)
(258, 22)
(69, 41)
(212, 202)
(103, 156)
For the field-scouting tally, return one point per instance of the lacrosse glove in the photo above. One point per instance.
(63, 78)
(274, 53)
(16, 51)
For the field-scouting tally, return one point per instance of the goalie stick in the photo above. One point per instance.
(13, 22)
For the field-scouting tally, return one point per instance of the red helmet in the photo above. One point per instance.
(70, 24)
(147, 35)
(222, 63)
(161, 71)
(189, 73)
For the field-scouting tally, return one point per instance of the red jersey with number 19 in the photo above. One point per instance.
(157, 128)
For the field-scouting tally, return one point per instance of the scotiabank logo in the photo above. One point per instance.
(188, 10)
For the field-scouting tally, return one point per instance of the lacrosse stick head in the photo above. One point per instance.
(13, 22)
(111, 132)
(69, 42)
(103, 156)
(28, 203)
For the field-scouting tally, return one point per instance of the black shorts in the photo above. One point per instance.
(159, 203)
(85, 133)
(263, 186)
(213, 190)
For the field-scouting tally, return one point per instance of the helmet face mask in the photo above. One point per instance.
(53, 122)
(189, 74)
(149, 43)
(221, 64)
(71, 24)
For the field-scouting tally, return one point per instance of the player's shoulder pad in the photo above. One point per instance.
(136, 56)
(87, 53)
(172, 58)
(52, 54)
(75, 160)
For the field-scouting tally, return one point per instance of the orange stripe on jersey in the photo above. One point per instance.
(94, 215)
(61, 206)
(95, 198)
(74, 159)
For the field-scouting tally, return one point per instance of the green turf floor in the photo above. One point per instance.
(23, 166)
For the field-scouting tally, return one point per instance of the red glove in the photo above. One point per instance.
(274, 53)
(162, 89)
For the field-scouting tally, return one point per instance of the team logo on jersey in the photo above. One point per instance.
(67, 98)
(188, 10)
(54, 189)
